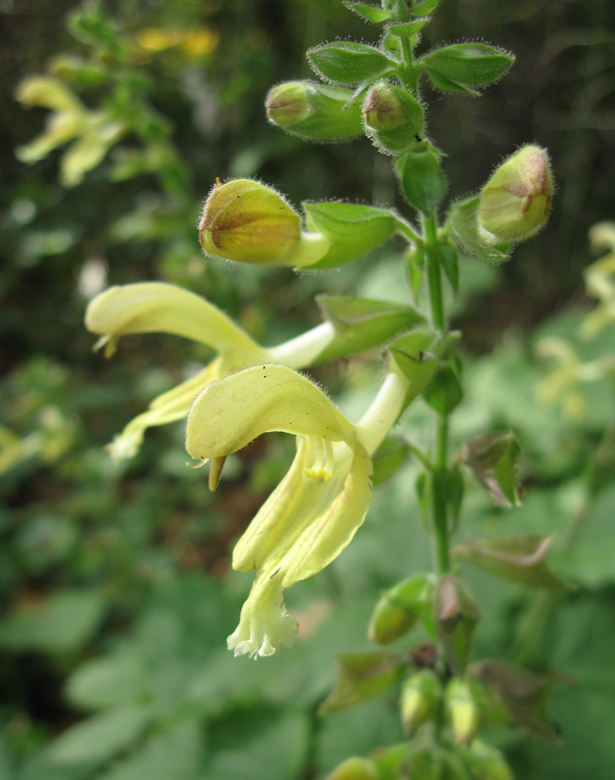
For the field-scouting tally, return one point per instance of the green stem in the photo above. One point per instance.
(439, 474)
(434, 276)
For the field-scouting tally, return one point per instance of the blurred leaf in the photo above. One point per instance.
(444, 393)
(390, 456)
(100, 737)
(259, 744)
(61, 624)
(516, 558)
(492, 459)
(456, 617)
(107, 681)
(175, 753)
(359, 677)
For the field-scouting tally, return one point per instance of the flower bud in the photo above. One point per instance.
(420, 695)
(463, 710)
(355, 768)
(287, 103)
(515, 202)
(392, 118)
(399, 609)
(486, 763)
(244, 220)
(314, 111)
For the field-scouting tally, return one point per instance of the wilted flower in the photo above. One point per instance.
(315, 511)
(152, 307)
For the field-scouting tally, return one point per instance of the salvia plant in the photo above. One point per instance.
(445, 695)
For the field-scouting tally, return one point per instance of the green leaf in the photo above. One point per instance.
(392, 454)
(173, 753)
(406, 29)
(424, 8)
(445, 84)
(523, 694)
(415, 263)
(61, 624)
(101, 737)
(444, 393)
(492, 459)
(471, 64)
(465, 229)
(415, 357)
(349, 63)
(449, 260)
(353, 230)
(107, 681)
(370, 13)
(361, 676)
(516, 558)
(422, 181)
(362, 324)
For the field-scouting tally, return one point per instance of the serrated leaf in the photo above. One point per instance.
(492, 459)
(444, 393)
(362, 324)
(370, 13)
(353, 230)
(349, 63)
(423, 183)
(516, 558)
(361, 676)
(465, 229)
(471, 64)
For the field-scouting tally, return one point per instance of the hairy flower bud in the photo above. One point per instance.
(487, 763)
(244, 220)
(515, 202)
(314, 111)
(462, 709)
(392, 117)
(287, 103)
(399, 609)
(419, 698)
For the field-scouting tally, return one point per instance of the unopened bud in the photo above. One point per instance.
(287, 103)
(244, 220)
(463, 710)
(487, 763)
(399, 609)
(355, 768)
(515, 202)
(314, 111)
(420, 695)
(393, 118)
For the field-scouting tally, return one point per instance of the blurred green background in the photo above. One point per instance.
(115, 591)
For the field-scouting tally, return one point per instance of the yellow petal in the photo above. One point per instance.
(166, 408)
(154, 307)
(233, 412)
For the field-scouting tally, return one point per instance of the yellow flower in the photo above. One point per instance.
(156, 307)
(315, 511)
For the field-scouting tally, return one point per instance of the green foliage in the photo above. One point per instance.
(96, 580)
